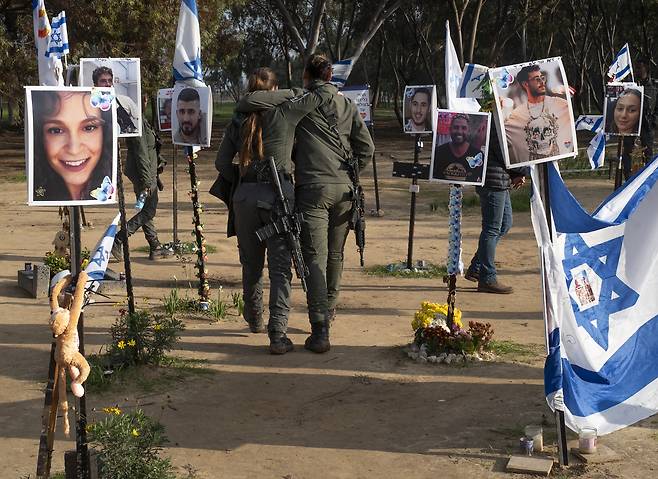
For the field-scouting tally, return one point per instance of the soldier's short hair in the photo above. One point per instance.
(189, 94)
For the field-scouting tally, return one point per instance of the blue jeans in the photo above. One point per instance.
(496, 222)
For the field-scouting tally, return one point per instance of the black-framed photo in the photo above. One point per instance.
(622, 111)
(533, 112)
(124, 75)
(460, 147)
(418, 108)
(191, 122)
(165, 96)
(71, 142)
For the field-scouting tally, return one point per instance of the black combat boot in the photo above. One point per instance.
(318, 341)
(280, 343)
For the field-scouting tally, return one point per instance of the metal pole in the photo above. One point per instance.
(175, 199)
(123, 235)
(620, 163)
(418, 145)
(454, 228)
(80, 403)
(378, 211)
(563, 451)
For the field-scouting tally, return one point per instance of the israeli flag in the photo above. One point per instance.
(187, 55)
(453, 76)
(341, 71)
(473, 81)
(58, 43)
(50, 68)
(622, 66)
(101, 257)
(596, 148)
(600, 302)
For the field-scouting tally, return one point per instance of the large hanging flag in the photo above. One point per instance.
(601, 306)
(101, 256)
(473, 82)
(453, 75)
(50, 68)
(341, 71)
(58, 42)
(596, 148)
(622, 66)
(187, 55)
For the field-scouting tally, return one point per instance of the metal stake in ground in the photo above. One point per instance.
(454, 247)
(378, 210)
(123, 236)
(561, 427)
(204, 287)
(80, 403)
(414, 188)
(620, 163)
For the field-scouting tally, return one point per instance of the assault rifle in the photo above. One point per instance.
(357, 220)
(288, 223)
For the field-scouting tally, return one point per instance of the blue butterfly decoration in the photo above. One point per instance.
(101, 99)
(105, 192)
(475, 161)
(505, 79)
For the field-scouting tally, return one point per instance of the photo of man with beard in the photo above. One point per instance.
(461, 160)
(420, 102)
(189, 127)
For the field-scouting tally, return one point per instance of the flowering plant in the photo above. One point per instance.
(433, 335)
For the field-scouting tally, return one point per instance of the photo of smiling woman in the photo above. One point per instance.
(623, 109)
(71, 146)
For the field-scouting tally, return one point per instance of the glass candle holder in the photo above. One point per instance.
(587, 440)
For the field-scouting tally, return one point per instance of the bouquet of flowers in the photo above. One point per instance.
(435, 340)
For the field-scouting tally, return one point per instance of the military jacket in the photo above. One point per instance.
(142, 159)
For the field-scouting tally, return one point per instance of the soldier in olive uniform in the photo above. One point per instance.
(257, 134)
(143, 164)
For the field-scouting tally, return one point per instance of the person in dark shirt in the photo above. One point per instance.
(458, 160)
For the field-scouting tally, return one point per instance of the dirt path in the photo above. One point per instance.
(362, 410)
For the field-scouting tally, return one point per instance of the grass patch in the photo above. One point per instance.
(431, 271)
(511, 351)
(471, 201)
(146, 378)
(186, 248)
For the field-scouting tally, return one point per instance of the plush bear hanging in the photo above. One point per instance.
(64, 324)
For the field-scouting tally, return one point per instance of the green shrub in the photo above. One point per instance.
(129, 446)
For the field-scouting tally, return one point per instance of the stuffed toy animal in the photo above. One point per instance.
(61, 243)
(64, 324)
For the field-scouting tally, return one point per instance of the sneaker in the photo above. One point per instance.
(159, 252)
(280, 344)
(495, 287)
(472, 275)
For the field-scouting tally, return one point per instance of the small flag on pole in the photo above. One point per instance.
(596, 148)
(622, 66)
(50, 68)
(101, 256)
(473, 81)
(187, 55)
(58, 42)
(453, 75)
(341, 71)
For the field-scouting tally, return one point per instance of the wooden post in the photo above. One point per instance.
(175, 198)
(48, 418)
(619, 174)
(418, 145)
(123, 235)
(204, 287)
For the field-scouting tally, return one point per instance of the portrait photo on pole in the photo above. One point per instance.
(191, 121)
(124, 75)
(533, 112)
(418, 108)
(622, 110)
(164, 108)
(460, 146)
(360, 96)
(71, 144)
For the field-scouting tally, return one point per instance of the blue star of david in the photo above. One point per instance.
(99, 256)
(55, 37)
(603, 258)
(194, 66)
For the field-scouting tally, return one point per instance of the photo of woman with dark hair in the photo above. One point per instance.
(623, 110)
(72, 147)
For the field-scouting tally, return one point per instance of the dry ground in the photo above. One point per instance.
(360, 411)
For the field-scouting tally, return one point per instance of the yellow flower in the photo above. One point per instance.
(121, 344)
(135, 432)
(84, 264)
(89, 427)
(157, 327)
(112, 410)
(131, 343)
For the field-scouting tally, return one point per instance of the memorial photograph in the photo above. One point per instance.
(164, 108)
(192, 119)
(419, 103)
(622, 111)
(534, 112)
